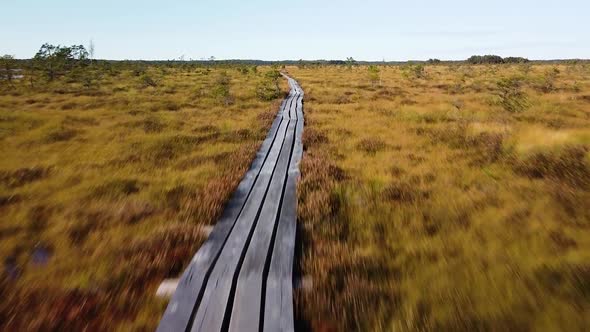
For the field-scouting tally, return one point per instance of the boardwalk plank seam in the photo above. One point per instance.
(247, 261)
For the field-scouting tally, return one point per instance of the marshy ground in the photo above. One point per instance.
(445, 197)
(104, 190)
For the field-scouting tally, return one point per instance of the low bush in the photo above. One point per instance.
(416, 71)
(147, 81)
(221, 90)
(568, 164)
(512, 98)
(268, 89)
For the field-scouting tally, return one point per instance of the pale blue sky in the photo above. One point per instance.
(308, 29)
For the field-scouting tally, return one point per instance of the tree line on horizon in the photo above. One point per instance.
(56, 60)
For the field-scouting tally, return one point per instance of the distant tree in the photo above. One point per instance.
(495, 59)
(7, 67)
(55, 61)
(350, 62)
(434, 61)
(513, 59)
(485, 59)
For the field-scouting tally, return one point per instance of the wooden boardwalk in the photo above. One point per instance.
(241, 278)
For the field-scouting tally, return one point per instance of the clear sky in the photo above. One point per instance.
(303, 29)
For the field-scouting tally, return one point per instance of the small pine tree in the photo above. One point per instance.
(7, 67)
(350, 62)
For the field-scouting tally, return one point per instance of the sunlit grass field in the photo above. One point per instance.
(104, 190)
(453, 197)
(445, 199)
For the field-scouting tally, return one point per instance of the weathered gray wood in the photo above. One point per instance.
(278, 310)
(289, 106)
(180, 308)
(249, 291)
(251, 245)
(215, 299)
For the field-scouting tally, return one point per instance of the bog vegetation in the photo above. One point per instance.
(109, 172)
(434, 196)
(446, 197)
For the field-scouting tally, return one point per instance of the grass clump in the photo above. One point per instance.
(22, 176)
(371, 145)
(569, 164)
(117, 188)
(61, 134)
(512, 98)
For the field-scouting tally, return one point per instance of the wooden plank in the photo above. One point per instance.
(288, 109)
(180, 309)
(238, 270)
(278, 310)
(211, 311)
(292, 109)
(247, 304)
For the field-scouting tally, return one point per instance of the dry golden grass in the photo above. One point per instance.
(429, 204)
(104, 190)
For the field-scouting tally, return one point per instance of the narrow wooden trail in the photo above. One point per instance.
(241, 278)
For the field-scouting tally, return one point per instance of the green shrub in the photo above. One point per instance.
(512, 98)
(221, 90)
(414, 71)
(350, 62)
(547, 83)
(7, 67)
(268, 88)
(374, 74)
(147, 81)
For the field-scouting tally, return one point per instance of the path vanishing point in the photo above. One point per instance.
(241, 279)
